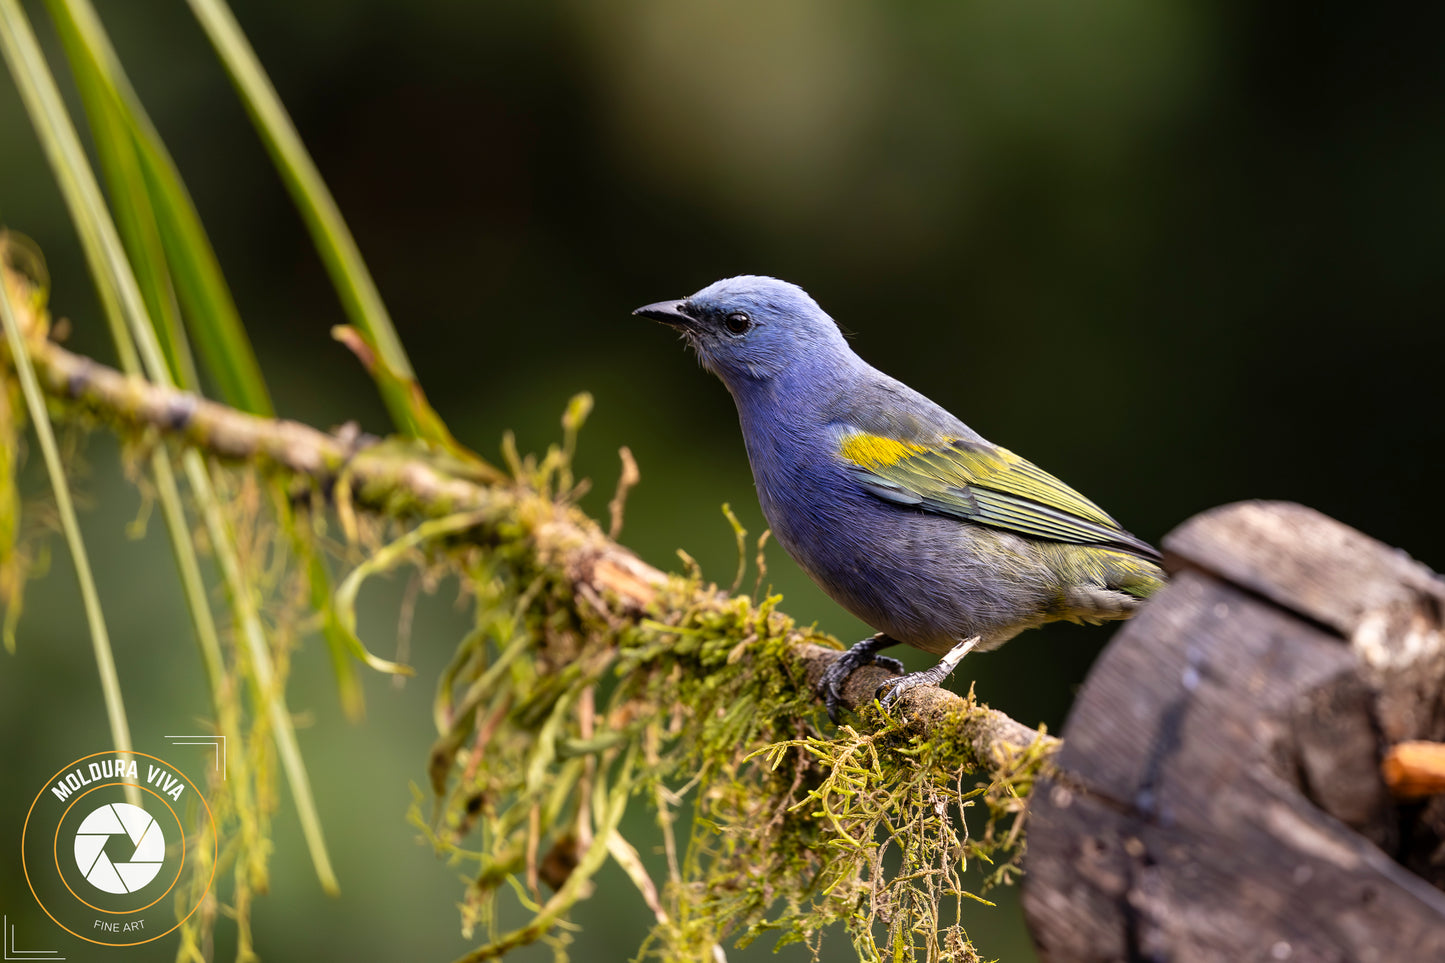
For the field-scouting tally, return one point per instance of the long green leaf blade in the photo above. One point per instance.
(120, 293)
(142, 173)
(359, 296)
(213, 318)
(268, 691)
(133, 213)
(40, 420)
(103, 252)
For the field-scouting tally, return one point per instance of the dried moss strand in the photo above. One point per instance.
(95, 617)
(571, 891)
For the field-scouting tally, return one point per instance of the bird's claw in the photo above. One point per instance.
(891, 691)
(830, 684)
(889, 663)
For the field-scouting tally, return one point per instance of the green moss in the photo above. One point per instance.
(550, 713)
(555, 715)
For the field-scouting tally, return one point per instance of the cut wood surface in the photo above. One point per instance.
(1219, 793)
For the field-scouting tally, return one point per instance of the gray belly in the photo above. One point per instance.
(927, 580)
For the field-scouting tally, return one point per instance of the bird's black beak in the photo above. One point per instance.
(668, 312)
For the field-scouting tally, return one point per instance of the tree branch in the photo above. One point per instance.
(401, 480)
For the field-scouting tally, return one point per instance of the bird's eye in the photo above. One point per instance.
(737, 322)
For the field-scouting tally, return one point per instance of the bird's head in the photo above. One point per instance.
(750, 329)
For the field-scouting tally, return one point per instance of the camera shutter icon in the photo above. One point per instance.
(96, 831)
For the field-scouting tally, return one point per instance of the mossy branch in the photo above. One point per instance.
(590, 677)
(406, 479)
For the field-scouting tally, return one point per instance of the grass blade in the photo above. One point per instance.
(267, 691)
(40, 419)
(133, 213)
(208, 639)
(359, 297)
(120, 294)
(143, 177)
(167, 243)
(103, 252)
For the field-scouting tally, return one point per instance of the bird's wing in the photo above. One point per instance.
(970, 479)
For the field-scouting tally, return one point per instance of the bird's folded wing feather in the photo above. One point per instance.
(981, 483)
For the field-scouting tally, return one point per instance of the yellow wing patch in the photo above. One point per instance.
(874, 451)
(956, 472)
(978, 482)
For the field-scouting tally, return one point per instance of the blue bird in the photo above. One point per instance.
(900, 512)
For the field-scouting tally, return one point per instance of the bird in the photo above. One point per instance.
(901, 513)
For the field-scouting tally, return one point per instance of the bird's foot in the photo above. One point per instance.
(891, 691)
(830, 685)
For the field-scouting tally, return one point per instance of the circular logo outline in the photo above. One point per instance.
(25, 828)
(55, 851)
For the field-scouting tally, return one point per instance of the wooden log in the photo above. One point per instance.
(1219, 793)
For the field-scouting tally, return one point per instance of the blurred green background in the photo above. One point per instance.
(1178, 253)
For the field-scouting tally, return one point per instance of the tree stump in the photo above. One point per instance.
(1219, 793)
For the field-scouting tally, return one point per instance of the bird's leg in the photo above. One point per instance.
(830, 685)
(891, 691)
